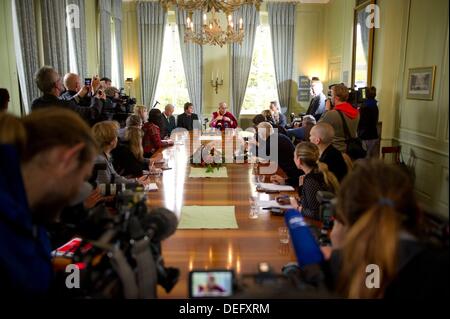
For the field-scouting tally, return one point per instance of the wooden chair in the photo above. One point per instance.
(394, 150)
(348, 161)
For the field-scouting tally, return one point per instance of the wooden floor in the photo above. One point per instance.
(241, 249)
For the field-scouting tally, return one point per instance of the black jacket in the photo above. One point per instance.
(187, 122)
(317, 106)
(89, 114)
(168, 125)
(285, 157)
(368, 120)
(335, 161)
(125, 163)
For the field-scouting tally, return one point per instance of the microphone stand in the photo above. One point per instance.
(156, 103)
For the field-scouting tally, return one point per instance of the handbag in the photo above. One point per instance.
(355, 148)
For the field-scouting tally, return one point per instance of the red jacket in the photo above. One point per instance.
(223, 124)
(152, 138)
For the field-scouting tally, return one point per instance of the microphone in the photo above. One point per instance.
(306, 248)
(156, 103)
(161, 222)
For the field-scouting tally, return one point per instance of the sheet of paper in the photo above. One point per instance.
(208, 217)
(275, 187)
(200, 172)
(151, 187)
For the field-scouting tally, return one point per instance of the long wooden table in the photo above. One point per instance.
(255, 241)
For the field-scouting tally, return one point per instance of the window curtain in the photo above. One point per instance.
(192, 55)
(282, 28)
(364, 32)
(117, 16)
(56, 49)
(241, 55)
(151, 26)
(25, 42)
(105, 38)
(79, 37)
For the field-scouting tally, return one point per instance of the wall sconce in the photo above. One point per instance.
(128, 83)
(215, 83)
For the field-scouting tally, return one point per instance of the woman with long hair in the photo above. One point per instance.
(378, 225)
(128, 156)
(106, 135)
(317, 177)
(152, 133)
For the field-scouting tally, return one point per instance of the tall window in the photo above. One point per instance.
(361, 67)
(261, 86)
(114, 58)
(172, 88)
(72, 56)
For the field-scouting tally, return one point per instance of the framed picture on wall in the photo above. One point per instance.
(303, 95)
(421, 83)
(304, 82)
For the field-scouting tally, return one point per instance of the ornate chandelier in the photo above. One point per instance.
(211, 31)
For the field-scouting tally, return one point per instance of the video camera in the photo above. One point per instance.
(115, 244)
(357, 97)
(127, 101)
(327, 211)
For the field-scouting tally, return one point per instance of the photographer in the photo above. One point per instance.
(367, 128)
(378, 222)
(57, 156)
(49, 83)
(81, 95)
(343, 111)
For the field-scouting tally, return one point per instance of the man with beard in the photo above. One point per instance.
(55, 160)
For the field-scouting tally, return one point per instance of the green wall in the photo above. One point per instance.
(422, 126)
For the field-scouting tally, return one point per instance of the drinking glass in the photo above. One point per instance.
(253, 208)
(283, 234)
(261, 178)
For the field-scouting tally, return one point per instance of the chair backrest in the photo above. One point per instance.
(348, 161)
(394, 150)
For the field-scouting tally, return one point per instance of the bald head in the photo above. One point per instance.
(322, 133)
(72, 82)
(169, 109)
(222, 108)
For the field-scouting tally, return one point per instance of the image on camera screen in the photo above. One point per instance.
(211, 284)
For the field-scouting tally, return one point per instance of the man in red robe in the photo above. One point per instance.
(223, 119)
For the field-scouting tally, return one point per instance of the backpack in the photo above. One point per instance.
(355, 148)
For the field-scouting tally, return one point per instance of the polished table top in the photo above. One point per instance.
(255, 241)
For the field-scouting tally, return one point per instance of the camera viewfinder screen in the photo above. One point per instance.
(211, 284)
